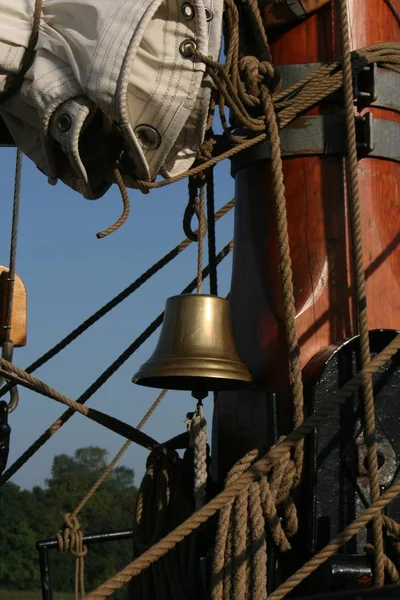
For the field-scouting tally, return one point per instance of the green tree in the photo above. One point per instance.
(40, 514)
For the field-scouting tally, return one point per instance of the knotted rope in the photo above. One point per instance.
(165, 499)
(70, 539)
(196, 424)
(240, 553)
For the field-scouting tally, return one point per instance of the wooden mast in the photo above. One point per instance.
(319, 237)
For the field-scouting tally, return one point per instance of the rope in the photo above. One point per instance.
(94, 387)
(256, 470)
(133, 287)
(119, 455)
(201, 234)
(69, 537)
(211, 232)
(197, 424)
(334, 545)
(293, 350)
(164, 500)
(16, 80)
(357, 250)
(289, 104)
(240, 553)
(126, 210)
(8, 345)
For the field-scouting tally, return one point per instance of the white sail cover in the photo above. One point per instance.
(109, 76)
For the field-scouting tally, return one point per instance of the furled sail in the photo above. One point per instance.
(109, 78)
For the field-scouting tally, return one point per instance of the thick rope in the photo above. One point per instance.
(289, 104)
(211, 232)
(359, 274)
(197, 427)
(126, 210)
(240, 570)
(201, 234)
(50, 431)
(259, 468)
(334, 545)
(292, 342)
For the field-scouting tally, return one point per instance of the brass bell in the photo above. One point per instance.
(195, 350)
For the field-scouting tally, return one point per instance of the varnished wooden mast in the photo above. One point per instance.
(319, 238)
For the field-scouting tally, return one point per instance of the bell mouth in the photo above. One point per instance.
(217, 376)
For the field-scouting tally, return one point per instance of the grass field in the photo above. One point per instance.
(6, 595)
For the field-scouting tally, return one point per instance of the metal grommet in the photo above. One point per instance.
(187, 11)
(186, 48)
(148, 137)
(64, 122)
(209, 14)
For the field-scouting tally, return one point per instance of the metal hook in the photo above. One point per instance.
(14, 399)
(7, 354)
(5, 431)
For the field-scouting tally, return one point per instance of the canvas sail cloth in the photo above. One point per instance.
(109, 76)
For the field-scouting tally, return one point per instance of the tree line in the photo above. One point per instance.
(30, 515)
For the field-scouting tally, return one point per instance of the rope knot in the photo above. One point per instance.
(256, 73)
(70, 538)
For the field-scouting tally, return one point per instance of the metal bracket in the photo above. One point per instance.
(364, 133)
(365, 86)
(326, 135)
(373, 86)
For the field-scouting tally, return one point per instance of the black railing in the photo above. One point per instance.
(44, 546)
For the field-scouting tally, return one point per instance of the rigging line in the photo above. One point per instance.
(260, 467)
(118, 456)
(13, 246)
(101, 380)
(211, 232)
(101, 312)
(393, 9)
(369, 428)
(126, 207)
(36, 385)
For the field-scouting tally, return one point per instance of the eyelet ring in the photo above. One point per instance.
(186, 48)
(188, 11)
(148, 137)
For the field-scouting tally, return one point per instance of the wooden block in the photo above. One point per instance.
(19, 314)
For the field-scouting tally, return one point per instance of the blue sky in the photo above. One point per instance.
(69, 273)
